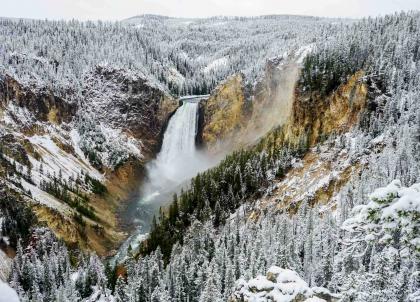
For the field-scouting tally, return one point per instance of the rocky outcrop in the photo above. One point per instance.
(279, 285)
(224, 113)
(42, 103)
(315, 117)
(129, 102)
(237, 115)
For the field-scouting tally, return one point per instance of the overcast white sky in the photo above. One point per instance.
(121, 9)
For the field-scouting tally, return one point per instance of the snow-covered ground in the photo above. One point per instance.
(279, 285)
(7, 294)
(5, 264)
(216, 64)
(46, 199)
(54, 159)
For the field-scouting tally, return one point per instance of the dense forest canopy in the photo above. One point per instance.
(362, 243)
(185, 56)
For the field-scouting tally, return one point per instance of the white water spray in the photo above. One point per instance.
(179, 137)
(177, 162)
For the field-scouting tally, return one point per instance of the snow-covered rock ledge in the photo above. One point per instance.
(280, 285)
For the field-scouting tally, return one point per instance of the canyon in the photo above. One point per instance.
(273, 158)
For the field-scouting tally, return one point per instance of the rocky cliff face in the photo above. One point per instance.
(234, 116)
(129, 102)
(316, 117)
(48, 147)
(237, 115)
(41, 103)
(225, 114)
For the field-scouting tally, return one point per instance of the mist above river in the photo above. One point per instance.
(179, 160)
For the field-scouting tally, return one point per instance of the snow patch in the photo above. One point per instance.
(55, 159)
(45, 198)
(216, 64)
(389, 191)
(303, 52)
(279, 285)
(175, 76)
(7, 294)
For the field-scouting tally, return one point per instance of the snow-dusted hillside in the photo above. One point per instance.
(58, 153)
(186, 56)
(323, 207)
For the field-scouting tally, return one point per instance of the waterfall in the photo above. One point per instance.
(178, 159)
(177, 162)
(180, 135)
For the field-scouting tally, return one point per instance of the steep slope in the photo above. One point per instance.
(74, 161)
(293, 200)
(238, 114)
(126, 101)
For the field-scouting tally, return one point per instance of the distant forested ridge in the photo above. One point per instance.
(183, 56)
